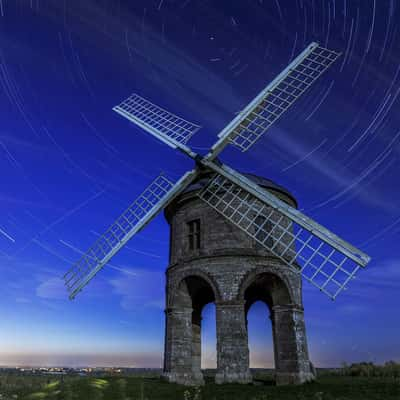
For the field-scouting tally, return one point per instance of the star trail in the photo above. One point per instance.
(69, 165)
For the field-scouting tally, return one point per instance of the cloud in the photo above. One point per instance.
(52, 288)
(144, 290)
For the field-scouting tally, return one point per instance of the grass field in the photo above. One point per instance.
(136, 388)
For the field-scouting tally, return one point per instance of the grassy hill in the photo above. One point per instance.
(328, 387)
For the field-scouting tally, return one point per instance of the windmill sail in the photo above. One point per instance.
(273, 101)
(154, 198)
(164, 125)
(325, 260)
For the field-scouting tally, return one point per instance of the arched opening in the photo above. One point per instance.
(196, 295)
(261, 345)
(262, 293)
(208, 337)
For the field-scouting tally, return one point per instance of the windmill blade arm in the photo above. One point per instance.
(275, 99)
(324, 259)
(164, 125)
(154, 198)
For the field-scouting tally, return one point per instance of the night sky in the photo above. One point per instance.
(69, 165)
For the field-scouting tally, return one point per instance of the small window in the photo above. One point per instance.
(194, 234)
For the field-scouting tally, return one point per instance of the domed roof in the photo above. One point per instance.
(260, 181)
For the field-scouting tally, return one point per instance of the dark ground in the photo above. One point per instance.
(328, 387)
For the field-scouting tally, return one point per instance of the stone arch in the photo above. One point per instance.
(193, 273)
(285, 292)
(190, 293)
(278, 288)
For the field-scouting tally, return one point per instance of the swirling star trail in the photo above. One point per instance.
(69, 165)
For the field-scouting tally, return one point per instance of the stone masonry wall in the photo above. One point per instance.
(228, 262)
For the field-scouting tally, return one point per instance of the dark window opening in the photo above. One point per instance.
(194, 234)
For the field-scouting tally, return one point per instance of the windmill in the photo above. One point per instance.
(323, 259)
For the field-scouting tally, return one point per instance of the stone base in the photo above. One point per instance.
(187, 379)
(233, 377)
(296, 378)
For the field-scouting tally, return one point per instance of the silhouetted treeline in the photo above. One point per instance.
(390, 369)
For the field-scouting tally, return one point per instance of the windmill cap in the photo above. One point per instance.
(259, 180)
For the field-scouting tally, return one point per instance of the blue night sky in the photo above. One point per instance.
(69, 165)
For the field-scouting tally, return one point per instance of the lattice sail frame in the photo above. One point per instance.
(273, 101)
(164, 125)
(322, 257)
(153, 199)
(323, 265)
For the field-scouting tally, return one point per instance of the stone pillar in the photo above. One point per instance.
(178, 355)
(292, 365)
(274, 341)
(232, 344)
(196, 347)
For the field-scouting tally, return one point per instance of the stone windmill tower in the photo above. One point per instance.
(211, 260)
(235, 238)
